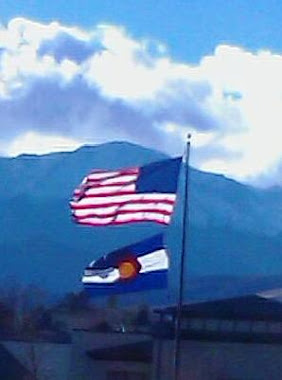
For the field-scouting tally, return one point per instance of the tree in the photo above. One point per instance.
(143, 316)
(25, 305)
(112, 301)
(76, 301)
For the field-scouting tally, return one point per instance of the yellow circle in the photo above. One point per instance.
(127, 270)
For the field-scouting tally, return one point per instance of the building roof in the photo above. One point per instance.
(133, 352)
(240, 308)
(249, 319)
(10, 367)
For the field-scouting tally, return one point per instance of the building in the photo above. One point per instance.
(40, 360)
(111, 356)
(10, 367)
(232, 339)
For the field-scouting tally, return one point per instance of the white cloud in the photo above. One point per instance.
(252, 83)
(35, 143)
(85, 85)
(20, 60)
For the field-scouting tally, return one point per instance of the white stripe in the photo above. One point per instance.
(126, 207)
(102, 175)
(125, 178)
(110, 189)
(158, 197)
(109, 173)
(153, 261)
(124, 218)
(112, 277)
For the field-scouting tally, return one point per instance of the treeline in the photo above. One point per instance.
(26, 313)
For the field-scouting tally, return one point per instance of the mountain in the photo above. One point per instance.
(234, 238)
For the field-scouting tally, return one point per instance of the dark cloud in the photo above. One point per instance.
(65, 46)
(76, 111)
(184, 104)
(185, 110)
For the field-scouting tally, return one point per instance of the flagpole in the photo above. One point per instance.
(176, 353)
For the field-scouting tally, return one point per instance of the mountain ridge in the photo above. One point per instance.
(39, 243)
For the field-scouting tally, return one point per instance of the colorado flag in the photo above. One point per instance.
(137, 267)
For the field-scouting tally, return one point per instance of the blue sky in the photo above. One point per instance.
(148, 72)
(190, 28)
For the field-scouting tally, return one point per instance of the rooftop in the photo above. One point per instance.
(240, 308)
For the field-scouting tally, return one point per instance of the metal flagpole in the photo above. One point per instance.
(176, 354)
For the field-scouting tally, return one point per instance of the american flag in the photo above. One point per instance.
(147, 193)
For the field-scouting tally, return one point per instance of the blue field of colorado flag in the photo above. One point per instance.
(136, 194)
(137, 267)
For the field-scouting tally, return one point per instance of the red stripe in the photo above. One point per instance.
(132, 170)
(122, 222)
(123, 212)
(127, 192)
(116, 175)
(98, 185)
(121, 203)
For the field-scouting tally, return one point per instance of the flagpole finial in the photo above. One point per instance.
(189, 136)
